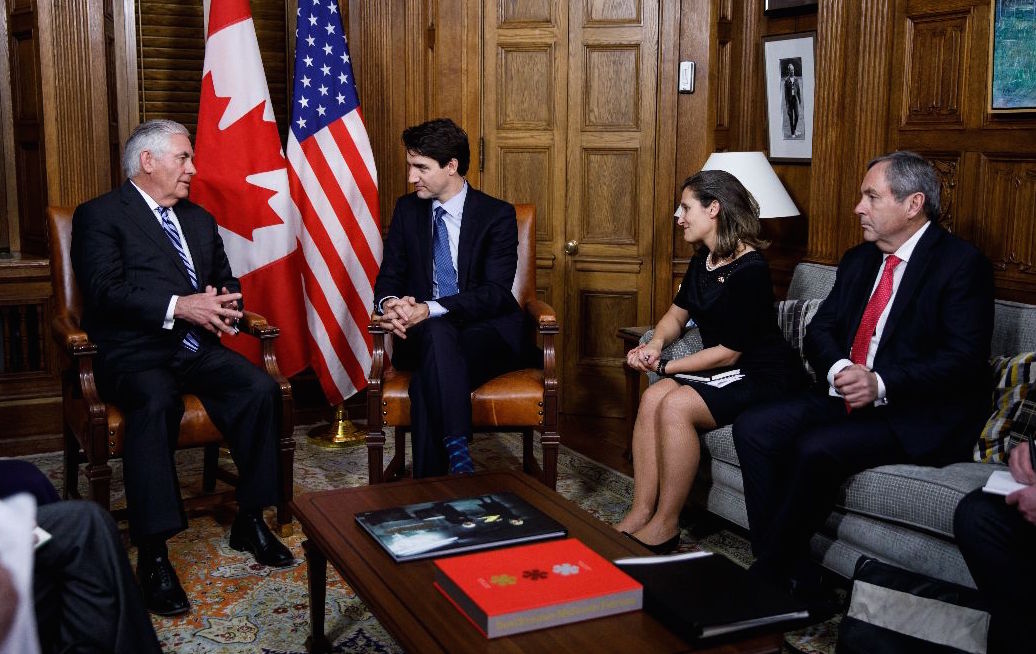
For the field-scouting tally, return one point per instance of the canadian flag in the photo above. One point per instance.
(242, 180)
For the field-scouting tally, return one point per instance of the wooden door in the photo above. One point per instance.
(569, 124)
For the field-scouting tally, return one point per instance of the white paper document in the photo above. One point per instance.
(1002, 483)
(718, 380)
(17, 519)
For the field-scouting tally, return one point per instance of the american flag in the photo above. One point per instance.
(334, 184)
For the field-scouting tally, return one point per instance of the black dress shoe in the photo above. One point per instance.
(249, 533)
(665, 547)
(163, 594)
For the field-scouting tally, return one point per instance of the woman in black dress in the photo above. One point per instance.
(728, 293)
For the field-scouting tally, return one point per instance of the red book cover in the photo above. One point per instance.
(515, 589)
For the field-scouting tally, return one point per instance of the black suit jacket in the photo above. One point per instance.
(127, 270)
(487, 259)
(934, 351)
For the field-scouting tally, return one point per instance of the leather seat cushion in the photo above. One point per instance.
(513, 399)
(196, 429)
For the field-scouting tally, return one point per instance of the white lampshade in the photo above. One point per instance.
(753, 170)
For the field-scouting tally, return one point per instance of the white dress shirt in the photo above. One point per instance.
(904, 252)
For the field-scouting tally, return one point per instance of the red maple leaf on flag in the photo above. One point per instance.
(227, 160)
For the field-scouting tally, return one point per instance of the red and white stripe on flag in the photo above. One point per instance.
(334, 184)
(242, 180)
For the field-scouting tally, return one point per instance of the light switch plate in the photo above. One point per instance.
(686, 84)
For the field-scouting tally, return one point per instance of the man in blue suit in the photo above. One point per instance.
(902, 346)
(444, 291)
(149, 262)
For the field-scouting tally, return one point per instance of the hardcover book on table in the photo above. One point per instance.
(426, 529)
(516, 589)
(700, 595)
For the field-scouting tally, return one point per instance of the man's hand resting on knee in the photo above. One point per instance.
(214, 311)
(400, 314)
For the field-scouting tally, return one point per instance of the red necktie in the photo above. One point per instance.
(879, 300)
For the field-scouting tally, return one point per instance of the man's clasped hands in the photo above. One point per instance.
(400, 314)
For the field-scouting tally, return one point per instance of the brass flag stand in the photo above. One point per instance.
(340, 433)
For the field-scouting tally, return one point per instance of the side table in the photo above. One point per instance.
(630, 338)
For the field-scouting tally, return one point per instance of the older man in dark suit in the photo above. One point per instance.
(902, 342)
(444, 290)
(149, 263)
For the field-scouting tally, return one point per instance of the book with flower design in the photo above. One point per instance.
(516, 589)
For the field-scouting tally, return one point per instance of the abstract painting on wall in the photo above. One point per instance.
(1012, 56)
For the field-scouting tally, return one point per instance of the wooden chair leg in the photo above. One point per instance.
(286, 474)
(528, 458)
(549, 442)
(394, 469)
(375, 456)
(210, 463)
(71, 464)
(99, 478)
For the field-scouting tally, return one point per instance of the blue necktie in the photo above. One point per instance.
(445, 274)
(190, 340)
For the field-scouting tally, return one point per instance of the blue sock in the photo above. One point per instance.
(460, 459)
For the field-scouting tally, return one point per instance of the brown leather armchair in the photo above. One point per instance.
(521, 401)
(94, 429)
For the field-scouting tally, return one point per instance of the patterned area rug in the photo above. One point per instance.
(241, 606)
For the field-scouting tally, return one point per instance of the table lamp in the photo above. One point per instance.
(754, 171)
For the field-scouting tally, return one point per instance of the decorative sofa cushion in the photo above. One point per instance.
(1012, 419)
(793, 316)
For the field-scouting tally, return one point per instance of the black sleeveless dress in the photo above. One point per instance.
(733, 306)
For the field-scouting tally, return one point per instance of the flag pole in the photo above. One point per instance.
(341, 432)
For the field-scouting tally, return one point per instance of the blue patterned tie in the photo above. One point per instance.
(445, 274)
(190, 339)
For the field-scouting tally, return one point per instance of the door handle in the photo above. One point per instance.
(572, 247)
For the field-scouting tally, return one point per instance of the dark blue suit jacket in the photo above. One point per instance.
(127, 270)
(934, 351)
(487, 259)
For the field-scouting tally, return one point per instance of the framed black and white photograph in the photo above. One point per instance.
(790, 83)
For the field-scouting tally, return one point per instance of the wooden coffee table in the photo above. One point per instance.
(403, 599)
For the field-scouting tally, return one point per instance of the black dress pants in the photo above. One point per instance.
(86, 598)
(449, 360)
(999, 547)
(242, 401)
(795, 455)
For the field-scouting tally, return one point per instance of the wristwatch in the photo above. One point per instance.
(377, 305)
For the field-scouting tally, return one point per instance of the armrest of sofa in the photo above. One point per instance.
(688, 343)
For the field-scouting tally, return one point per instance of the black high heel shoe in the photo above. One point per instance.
(665, 547)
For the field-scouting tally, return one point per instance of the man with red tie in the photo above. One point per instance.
(902, 342)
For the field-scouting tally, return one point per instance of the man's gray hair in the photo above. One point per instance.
(153, 136)
(909, 173)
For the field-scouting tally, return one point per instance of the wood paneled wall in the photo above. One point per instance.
(891, 74)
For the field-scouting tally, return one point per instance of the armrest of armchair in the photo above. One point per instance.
(77, 379)
(546, 321)
(378, 362)
(543, 315)
(255, 325)
(71, 338)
